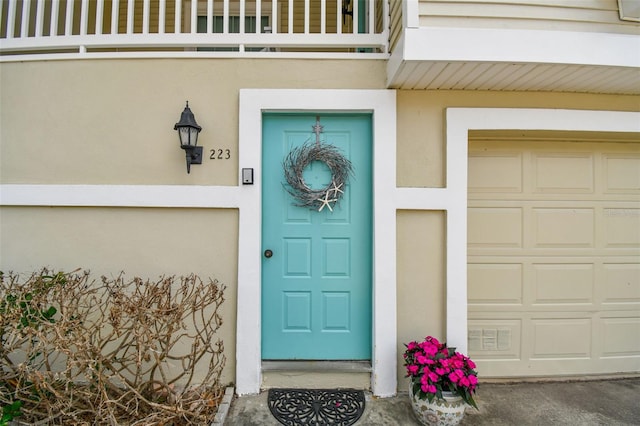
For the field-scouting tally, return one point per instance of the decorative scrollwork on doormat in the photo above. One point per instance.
(315, 407)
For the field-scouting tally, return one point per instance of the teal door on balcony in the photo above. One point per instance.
(316, 264)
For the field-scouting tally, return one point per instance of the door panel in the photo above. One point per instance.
(316, 287)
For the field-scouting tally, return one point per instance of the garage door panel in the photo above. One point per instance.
(496, 173)
(563, 227)
(495, 227)
(561, 283)
(563, 173)
(620, 337)
(495, 283)
(622, 173)
(621, 284)
(561, 338)
(554, 258)
(622, 228)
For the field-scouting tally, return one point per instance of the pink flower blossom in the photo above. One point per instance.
(457, 363)
(424, 378)
(428, 388)
(464, 381)
(437, 366)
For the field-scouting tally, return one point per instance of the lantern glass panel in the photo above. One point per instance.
(186, 135)
(193, 138)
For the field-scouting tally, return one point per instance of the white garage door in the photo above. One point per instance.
(554, 257)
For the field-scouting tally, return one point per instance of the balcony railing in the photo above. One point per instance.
(90, 28)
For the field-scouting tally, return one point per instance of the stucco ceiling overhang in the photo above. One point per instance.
(515, 60)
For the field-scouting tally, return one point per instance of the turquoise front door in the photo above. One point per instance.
(316, 264)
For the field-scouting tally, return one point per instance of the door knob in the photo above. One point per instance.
(268, 253)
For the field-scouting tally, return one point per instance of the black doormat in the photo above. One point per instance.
(316, 407)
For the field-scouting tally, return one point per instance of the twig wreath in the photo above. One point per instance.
(300, 157)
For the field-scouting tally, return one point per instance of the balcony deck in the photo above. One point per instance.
(58, 29)
(427, 44)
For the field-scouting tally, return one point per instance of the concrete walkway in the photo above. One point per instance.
(607, 403)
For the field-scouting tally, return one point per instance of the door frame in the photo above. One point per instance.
(382, 106)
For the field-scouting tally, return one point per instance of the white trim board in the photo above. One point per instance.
(179, 196)
(382, 105)
(508, 45)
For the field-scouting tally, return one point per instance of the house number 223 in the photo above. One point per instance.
(220, 154)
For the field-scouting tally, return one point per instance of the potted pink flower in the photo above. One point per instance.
(442, 381)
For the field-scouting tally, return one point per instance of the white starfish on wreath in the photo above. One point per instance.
(336, 188)
(326, 201)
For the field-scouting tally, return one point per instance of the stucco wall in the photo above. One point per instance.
(111, 122)
(98, 122)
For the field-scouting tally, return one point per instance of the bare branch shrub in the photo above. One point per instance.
(114, 352)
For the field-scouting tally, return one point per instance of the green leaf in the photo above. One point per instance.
(49, 313)
(472, 402)
(10, 412)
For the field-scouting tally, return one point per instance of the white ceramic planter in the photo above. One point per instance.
(447, 411)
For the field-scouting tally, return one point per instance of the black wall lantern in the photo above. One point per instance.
(188, 131)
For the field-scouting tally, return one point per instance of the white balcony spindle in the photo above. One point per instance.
(210, 16)
(193, 20)
(290, 17)
(339, 17)
(242, 14)
(356, 18)
(259, 28)
(84, 17)
(162, 11)
(55, 12)
(68, 19)
(323, 17)
(145, 16)
(39, 18)
(177, 17)
(99, 16)
(24, 26)
(130, 15)
(115, 14)
(225, 17)
(11, 18)
(372, 17)
(274, 17)
(306, 16)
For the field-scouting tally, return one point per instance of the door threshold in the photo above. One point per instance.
(318, 366)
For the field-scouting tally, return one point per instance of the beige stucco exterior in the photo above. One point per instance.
(111, 122)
